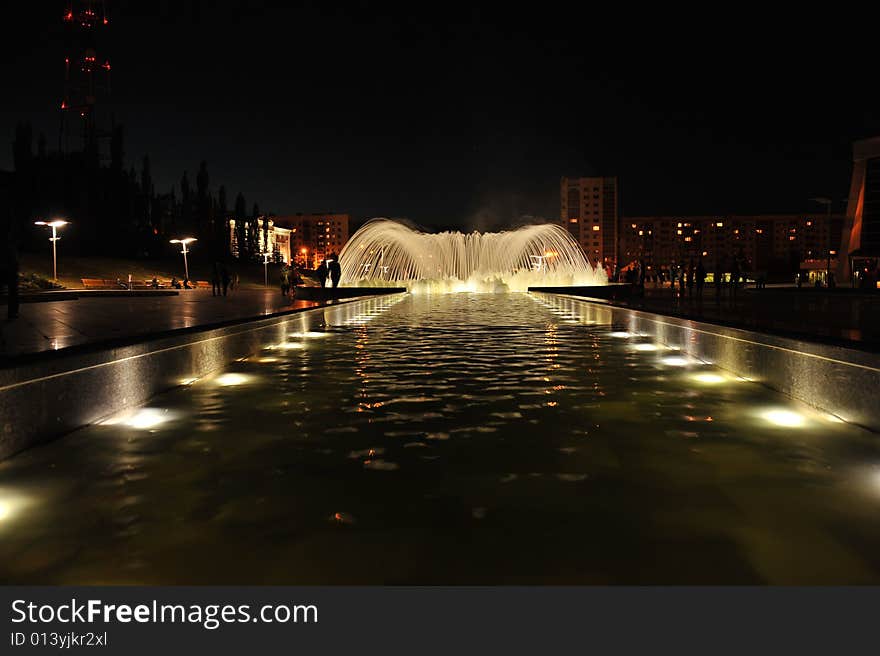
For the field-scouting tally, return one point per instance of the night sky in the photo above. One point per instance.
(459, 116)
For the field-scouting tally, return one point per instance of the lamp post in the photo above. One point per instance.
(183, 242)
(265, 255)
(55, 224)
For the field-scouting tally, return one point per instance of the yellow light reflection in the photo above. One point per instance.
(784, 418)
(709, 379)
(232, 379)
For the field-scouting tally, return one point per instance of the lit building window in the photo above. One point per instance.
(720, 224)
(595, 228)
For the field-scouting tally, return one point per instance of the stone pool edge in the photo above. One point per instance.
(47, 398)
(842, 381)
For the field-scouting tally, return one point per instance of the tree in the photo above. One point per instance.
(117, 152)
(254, 232)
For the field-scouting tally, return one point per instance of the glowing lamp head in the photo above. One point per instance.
(54, 223)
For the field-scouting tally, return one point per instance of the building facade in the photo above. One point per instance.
(276, 243)
(773, 244)
(315, 237)
(589, 211)
(861, 235)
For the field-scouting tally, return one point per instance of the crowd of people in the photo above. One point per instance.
(690, 278)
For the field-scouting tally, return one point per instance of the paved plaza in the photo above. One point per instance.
(842, 316)
(60, 324)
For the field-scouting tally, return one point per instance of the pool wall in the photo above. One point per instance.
(844, 382)
(53, 396)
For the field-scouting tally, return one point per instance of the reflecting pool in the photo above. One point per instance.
(452, 439)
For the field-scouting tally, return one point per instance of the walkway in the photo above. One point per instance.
(842, 316)
(61, 324)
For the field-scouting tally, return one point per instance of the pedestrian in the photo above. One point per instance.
(701, 278)
(285, 280)
(323, 272)
(735, 274)
(335, 271)
(215, 280)
(691, 274)
(224, 278)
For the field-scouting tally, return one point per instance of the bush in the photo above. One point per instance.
(34, 283)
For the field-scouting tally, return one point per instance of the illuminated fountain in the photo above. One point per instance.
(386, 253)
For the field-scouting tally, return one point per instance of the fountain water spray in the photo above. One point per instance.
(386, 252)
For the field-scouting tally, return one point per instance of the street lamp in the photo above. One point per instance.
(57, 223)
(183, 242)
(266, 255)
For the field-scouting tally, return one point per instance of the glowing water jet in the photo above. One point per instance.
(385, 252)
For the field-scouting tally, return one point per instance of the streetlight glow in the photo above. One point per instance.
(183, 242)
(54, 224)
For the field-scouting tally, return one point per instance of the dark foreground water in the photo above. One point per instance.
(452, 439)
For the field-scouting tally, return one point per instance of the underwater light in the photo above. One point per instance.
(144, 418)
(645, 347)
(709, 379)
(676, 361)
(784, 418)
(232, 379)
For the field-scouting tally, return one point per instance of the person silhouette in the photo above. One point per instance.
(335, 270)
(323, 272)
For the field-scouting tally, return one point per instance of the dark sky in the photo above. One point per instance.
(467, 116)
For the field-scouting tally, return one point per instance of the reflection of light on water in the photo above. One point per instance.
(11, 504)
(267, 360)
(645, 347)
(310, 333)
(676, 361)
(143, 418)
(287, 346)
(187, 381)
(621, 334)
(785, 418)
(708, 379)
(232, 379)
